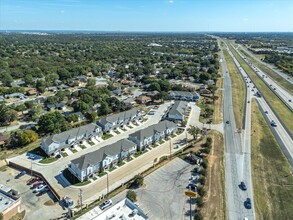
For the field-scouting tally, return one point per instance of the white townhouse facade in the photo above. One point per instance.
(57, 142)
(102, 159)
(184, 96)
(119, 120)
(152, 134)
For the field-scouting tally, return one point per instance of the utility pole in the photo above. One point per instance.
(170, 147)
(107, 184)
(80, 197)
(31, 168)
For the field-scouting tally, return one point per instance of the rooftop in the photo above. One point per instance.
(5, 198)
(122, 210)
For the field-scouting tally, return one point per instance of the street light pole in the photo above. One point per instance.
(170, 147)
(80, 196)
(107, 184)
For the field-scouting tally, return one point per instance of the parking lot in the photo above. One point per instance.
(163, 196)
(36, 206)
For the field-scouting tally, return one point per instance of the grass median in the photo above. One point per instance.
(282, 110)
(276, 77)
(271, 174)
(238, 89)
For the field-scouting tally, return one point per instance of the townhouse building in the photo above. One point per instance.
(152, 134)
(177, 111)
(57, 142)
(119, 120)
(184, 96)
(102, 159)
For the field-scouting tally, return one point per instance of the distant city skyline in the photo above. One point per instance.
(148, 15)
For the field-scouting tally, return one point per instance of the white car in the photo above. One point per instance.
(106, 204)
(40, 188)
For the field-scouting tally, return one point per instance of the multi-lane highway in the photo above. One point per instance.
(282, 136)
(285, 96)
(273, 68)
(237, 163)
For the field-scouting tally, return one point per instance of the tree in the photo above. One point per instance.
(36, 112)
(26, 137)
(72, 118)
(194, 131)
(52, 122)
(7, 115)
(104, 109)
(6, 78)
(81, 106)
(91, 82)
(199, 202)
(28, 79)
(202, 179)
(131, 195)
(201, 191)
(91, 116)
(138, 181)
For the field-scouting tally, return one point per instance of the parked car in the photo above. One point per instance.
(247, 203)
(33, 180)
(20, 174)
(43, 191)
(40, 188)
(192, 187)
(36, 184)
(106, 204)
(273, 123)
(243, 186)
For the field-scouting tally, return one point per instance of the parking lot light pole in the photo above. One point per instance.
(80, 195)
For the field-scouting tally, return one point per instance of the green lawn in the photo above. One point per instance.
(112, 168)
(82, 147)
(48, 160)
(130, 126)
(107, 136)
(121, 163)
(123, 129)
(282, 110)
(271, 174)
(73, 150)
(64, 154)
(238, 89)
(102, 174)
(161, 142)
(90, 142)
(117, 132)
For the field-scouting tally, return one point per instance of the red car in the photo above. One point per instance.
(37, 184)
(33, 180)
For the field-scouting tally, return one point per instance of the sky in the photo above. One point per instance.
(148, 15)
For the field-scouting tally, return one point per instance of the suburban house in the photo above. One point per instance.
(31, 92)
(79, 115)
(143, 99)
(119, 120)
(186, 96)
(205, 91)
(57, 142)
(102, 159)
(57, 106)
(152, 134)
(177, 110)
(15, 95)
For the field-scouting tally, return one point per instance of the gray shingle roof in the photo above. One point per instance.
(151, 130)
(119, 116)
(98, 156)
(178, 108)
(62, 137)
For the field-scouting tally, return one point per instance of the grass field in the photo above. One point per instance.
(281, 81)
(214, 200)
(238, 89)
(271, 175)
(281, 109)
(218, 114)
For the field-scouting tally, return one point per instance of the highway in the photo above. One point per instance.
(285, 96)
(282, 136)
(273, 68)
(237, 163)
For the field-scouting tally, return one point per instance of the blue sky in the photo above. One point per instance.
(147, 15)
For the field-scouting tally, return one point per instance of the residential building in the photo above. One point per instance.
(177, 111)
(15, 95)
(102, 159)
(2, 99)
(57, 106)
(143, 99)
(57, 142)
(186, 96)
(152, 134)
(123, 210)
(205, 91)
(4, 138)
(10, 205)
(119, 120)
(79, 115)
(31, 92)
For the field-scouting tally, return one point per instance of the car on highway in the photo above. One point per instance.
(290, 100)
(106, 204)
(242, 186)
(266, 112)
(227, 122)
(248, 102)
(247, 203)
(273, 123)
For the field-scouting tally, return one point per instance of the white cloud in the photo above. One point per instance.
(171, 1)
(62, 12)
